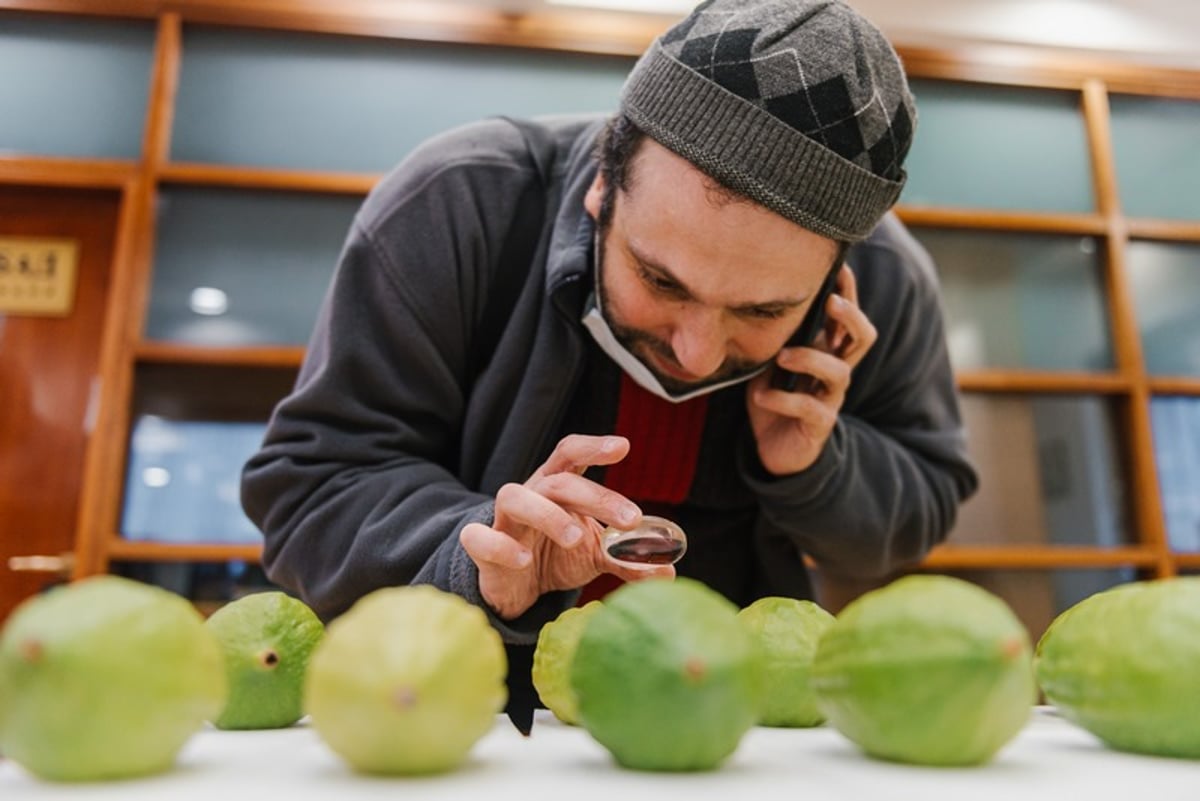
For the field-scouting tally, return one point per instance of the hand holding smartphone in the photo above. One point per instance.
(806, 334)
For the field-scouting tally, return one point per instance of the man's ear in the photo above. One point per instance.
(594, 196)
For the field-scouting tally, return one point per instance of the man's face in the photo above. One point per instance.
(699, 286)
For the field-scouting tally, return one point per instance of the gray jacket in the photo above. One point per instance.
(444, 359)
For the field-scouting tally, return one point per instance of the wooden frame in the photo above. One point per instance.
(598, 33)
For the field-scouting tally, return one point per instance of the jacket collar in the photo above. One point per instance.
(569, 256)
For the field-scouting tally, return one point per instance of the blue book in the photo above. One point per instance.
(1176, 425)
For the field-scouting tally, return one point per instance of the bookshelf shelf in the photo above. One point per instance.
(283, 356)
(235, 177)
(1180, 385)
(1027, 381)
(949, 557)
(993, 220)
(18, 168)
(1188, 560)
(120, 549)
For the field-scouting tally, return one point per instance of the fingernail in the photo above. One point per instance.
(628, 514)
(611, 444)
(572, 535)
(524, 558)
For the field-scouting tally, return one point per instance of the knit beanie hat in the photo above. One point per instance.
(800, 105)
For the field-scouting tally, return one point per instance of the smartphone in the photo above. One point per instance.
(806, 334)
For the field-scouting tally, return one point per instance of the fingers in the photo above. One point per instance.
(582, 496)
(831, 371)
(555, 506)
(487, 546)
(816, 413)
(575, 453)
(518, 507)
(855, 334)
(847, 284)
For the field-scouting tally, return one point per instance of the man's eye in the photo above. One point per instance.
(765, 313)
(660, 284)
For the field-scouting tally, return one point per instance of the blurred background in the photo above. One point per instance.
(1151, 31)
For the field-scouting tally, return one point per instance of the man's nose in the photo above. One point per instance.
(699, 343)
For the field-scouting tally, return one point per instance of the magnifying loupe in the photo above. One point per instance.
(656, 542)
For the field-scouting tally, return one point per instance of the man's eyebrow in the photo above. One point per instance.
(651, 265)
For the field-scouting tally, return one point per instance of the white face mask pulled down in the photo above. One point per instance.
(593, 320)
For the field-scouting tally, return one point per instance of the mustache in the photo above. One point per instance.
(637, 341)
(632, 337)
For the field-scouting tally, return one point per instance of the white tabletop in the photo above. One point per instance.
(1049, 759)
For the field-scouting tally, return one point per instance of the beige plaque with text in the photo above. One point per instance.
(37, 276)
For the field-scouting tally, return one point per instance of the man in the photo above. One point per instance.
(522, 346)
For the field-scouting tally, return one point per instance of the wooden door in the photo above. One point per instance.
(48, 380)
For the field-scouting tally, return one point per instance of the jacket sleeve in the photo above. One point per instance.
(355, 486)
(887, 486)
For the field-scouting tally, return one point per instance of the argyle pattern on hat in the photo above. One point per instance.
(799, 105)
(803, 81)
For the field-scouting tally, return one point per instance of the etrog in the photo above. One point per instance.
(104, 679)
(1123, 665)
(930, 670)
(407, 681)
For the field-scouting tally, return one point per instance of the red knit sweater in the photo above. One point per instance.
(662, 462)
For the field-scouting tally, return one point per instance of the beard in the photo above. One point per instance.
(641, 344)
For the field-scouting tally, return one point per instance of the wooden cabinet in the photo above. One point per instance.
(242, 135)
